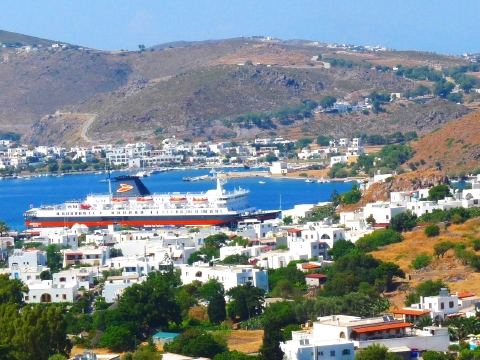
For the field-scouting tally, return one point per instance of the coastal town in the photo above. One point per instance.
(249, 181)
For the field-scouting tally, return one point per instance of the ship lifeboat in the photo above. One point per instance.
(144, 199)
(200, 200)
(119, 200)
(85, 206)
(178, 199)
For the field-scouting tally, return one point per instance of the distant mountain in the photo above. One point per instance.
(16, 39)
(206, 89)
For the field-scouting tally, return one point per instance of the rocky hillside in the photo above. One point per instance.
(412, 181)
(455, 147)
(190, 88)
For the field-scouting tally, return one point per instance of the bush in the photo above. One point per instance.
(432, 231)
(378, 238)
(404, 221)
(421, 261)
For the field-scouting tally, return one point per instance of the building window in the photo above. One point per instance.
(450, 304)
(64, 296)
(332, 352)
(26, 298)
(346, 352)
(320, 353)
(442, 306)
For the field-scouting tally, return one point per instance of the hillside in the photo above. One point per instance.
(456, 275)
(190, 88)
(454, 147)
(380, 191)
(15, 39)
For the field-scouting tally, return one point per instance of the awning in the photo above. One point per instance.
(381, 327)
(412, 312)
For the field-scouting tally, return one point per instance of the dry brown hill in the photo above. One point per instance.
(454, 147)
(380, 191)
(456, 275)
(187, 88)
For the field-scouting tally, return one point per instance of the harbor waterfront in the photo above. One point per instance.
(266, 193)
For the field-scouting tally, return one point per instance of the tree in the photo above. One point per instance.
(53, 167)
(351, 197)
(376, 352)
(141, 48)
(234, 355)
(287, 220)
(11, 290)
(4, 228)
(442, 247)
(217, 309)
(438, 192)
(432, 231)
(54, 258)
(433, 355)
(341, 248)
(246, 301)
(371, 220)
(194, 342)
(117, 338)
(211, 289)
(426, 288)
(387, 271)
(287, 331)
(327, 101)
(324, 140)
(57, 357)
(272, 336)
(271, 157)
(404, 221)
(39, 333)
(421, 261)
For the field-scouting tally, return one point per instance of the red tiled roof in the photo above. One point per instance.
(414, 312)
(311, 266)
(382, 327)
(465, 295)
(316, 276)
(294, 230)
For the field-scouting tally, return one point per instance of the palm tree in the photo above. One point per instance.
(4, 228)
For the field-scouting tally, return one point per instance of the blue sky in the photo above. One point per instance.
(448, 27)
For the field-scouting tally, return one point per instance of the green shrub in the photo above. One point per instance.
(432, 231)
(378, 238)
(421, 261)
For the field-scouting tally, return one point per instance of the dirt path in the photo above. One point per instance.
(86, 127)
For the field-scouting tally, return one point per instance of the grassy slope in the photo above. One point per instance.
(458, 277)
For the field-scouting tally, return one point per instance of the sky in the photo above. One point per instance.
(443, 26)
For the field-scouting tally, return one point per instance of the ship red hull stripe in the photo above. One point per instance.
(125, 222)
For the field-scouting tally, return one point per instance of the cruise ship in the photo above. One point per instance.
(131, 204)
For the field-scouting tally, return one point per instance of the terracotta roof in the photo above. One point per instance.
(465, 295)
(316, 276)
(294, 230)
(414, 312)
(382, 327)
(311, 266)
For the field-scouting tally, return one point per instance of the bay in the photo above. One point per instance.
(16, 196)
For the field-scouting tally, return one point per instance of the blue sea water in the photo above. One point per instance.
(16, 196)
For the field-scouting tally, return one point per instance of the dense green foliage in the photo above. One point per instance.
(327, 102)
(432, 231)
(442, 247)
(421, 260)
(341, 248)
(234, 355)
(439, 192)
(209, 250)
(426, 288)
(455, 215)
(403, 221)
(419, 73)
(420, 90)
(289, 273)
(351, 197)
(194, 342)
(246, 302)
(272, 336)
(378, 238)
(376, 352)
(9, 135)
(217, 309)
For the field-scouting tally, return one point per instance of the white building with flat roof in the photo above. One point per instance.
(228, 276)
(46, 291)
(115, 285)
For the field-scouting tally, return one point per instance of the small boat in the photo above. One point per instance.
(261, 182)
(348, 180)
(323, 181)
(144, 199)
(119, 200)
(187, 179)
(85, 206)
(178, 199)
(200, 200)
(309, 181)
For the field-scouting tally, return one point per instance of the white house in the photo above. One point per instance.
(228, 276)
(299, 211)
(439, 307)
(83, 277)
(382, 212)
(115, 285)
(279, 168)
(46, 291)
(27, 258)
(304, 348)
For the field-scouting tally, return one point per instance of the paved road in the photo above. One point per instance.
(87, 126)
